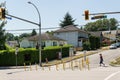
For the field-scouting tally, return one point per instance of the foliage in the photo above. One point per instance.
(8, 47)
(102, 25)
(24, 35)
(49, 32)
(2, 36)
(94, 42)
(68, 20)
(97, 41)
(86, 45)
(9, 36)
(33, 32)
(8, 57)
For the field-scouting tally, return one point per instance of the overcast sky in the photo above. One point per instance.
(52, 11)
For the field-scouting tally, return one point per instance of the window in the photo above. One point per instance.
(54, 43)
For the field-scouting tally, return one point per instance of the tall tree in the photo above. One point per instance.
(68, 20)
(102, 25)
(2, 36)
(9, 36)
(24, 35)
(33, 32)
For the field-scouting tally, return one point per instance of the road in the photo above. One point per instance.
(95, 72)
(108, 56)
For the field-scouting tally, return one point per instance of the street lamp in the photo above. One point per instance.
(40, 63)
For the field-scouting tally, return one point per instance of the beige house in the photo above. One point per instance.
(47, 40)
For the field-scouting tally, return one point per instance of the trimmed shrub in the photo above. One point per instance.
(30, 55)
(86, 45)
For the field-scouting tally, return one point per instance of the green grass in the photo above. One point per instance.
(115, 62)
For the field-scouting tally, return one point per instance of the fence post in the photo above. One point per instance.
(30, 67)
(25, 66)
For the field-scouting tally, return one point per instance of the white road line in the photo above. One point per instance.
(112, 75)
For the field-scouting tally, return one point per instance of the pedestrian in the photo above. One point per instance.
(101, 60)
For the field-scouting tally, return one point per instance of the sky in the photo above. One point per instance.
(52, 11)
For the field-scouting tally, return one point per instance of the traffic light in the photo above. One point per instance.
(2, 13)
(99, 17)
(87, 15)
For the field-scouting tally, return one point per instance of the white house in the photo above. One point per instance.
(47, 40)
(24, 43)
(12, 43)
(72, 34)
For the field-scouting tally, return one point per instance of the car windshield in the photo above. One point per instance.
(113, 45)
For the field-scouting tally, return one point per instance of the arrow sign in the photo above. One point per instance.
(9, 18)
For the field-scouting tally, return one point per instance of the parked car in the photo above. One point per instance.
(113, 46)
(118, 44)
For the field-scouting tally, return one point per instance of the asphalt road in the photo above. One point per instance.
(95, 72)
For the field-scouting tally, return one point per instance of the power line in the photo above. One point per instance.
(32, 29)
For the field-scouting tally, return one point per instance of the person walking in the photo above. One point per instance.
(101, 60)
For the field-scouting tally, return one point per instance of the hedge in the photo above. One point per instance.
(30, 55)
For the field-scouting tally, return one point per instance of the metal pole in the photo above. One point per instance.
(39, 41)
(16, 61)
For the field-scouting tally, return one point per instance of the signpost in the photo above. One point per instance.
(71, 51)
(16, 52)
(84, 55)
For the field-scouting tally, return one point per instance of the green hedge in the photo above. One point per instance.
(8, 57)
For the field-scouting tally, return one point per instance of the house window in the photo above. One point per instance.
(54, 43)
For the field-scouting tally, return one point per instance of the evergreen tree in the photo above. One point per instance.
(2, 36)
(33, 32)
(68, 20)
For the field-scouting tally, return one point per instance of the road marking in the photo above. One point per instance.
(112, 75)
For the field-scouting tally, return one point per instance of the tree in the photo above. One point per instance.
(24, 35)
(2, 36)
(33, 32)
(9, 36)
(68, 20)
(49, 32)
(102, 25)
(18, 40)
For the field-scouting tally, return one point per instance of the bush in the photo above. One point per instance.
(8, 57)
(86, 45)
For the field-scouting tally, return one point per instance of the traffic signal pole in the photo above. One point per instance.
(23, 19)
(103, 13)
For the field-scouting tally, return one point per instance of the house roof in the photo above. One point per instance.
(98, 33)
(68, 28)
(106, 34)
(44, 36)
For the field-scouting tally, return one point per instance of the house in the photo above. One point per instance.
(47, 40)
(72, 34)
(12, 43)
(107, 36)
(110, 34)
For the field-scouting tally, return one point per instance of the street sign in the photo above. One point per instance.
(99, 17)
(9, 18)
